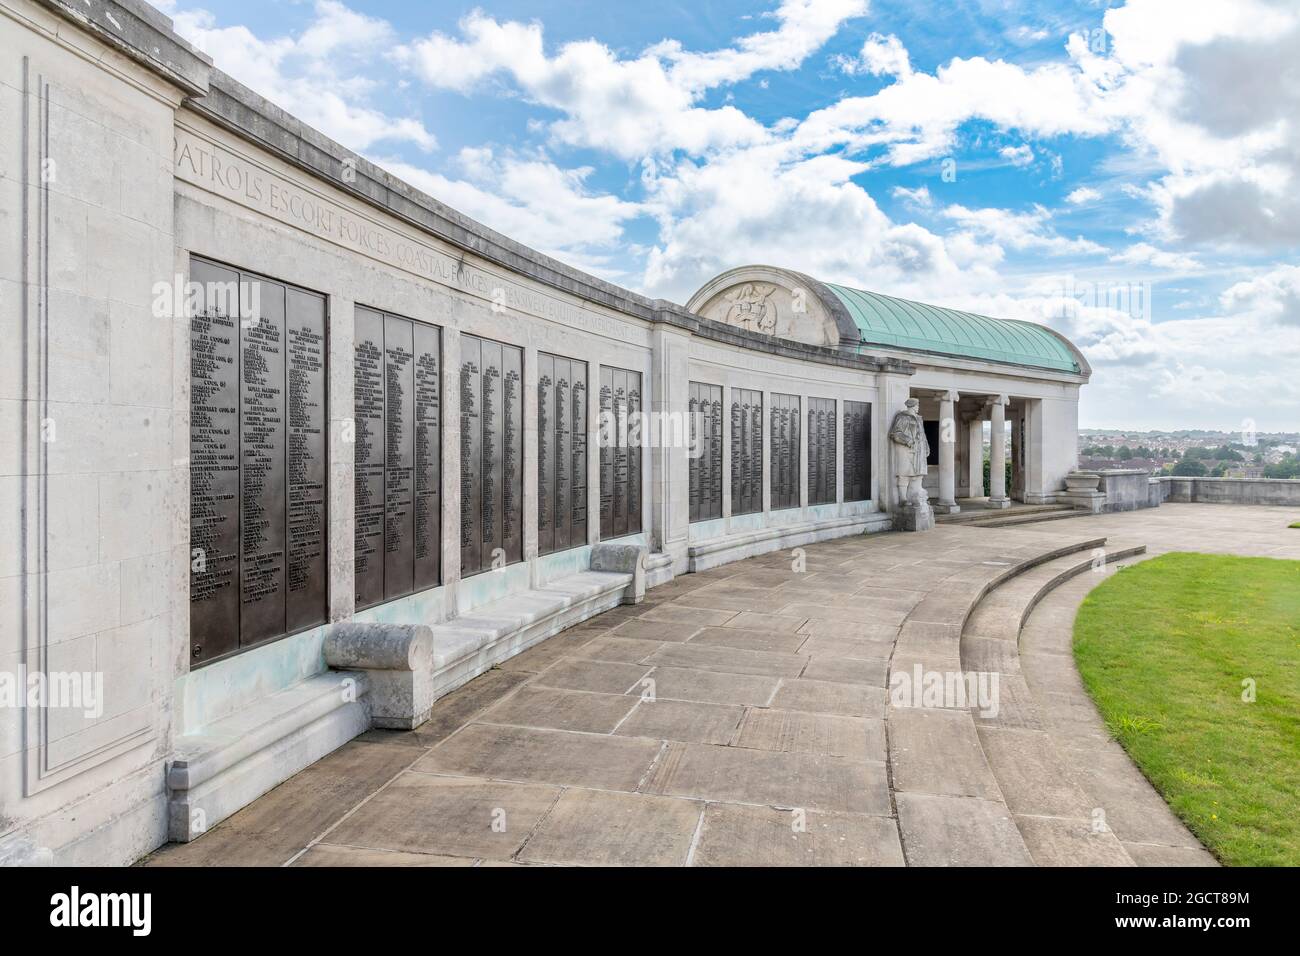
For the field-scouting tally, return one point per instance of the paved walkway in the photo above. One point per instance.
(740, 716)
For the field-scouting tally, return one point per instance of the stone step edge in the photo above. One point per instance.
(1011, 521)
(1066, 574)
(1022, 567)
(976, 516)
(1108, 557)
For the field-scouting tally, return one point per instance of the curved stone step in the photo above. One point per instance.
(975, 515)
(1119, 796)
(1053, 812)
(1010, 521)
(951, 809)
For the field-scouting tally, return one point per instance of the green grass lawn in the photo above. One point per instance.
(1163, 647)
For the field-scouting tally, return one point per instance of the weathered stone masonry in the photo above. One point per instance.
(130, 169)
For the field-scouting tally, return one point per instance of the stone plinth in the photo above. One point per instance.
(911, 517)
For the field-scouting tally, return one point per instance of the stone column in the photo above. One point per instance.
(947, 503)
(669, 390)
(975, 454)
(998, 454)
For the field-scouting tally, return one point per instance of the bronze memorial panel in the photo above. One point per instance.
(396, 409)
(620, 452)
(561, 453)
(258, 454)
(705, 408)
(823, 455)
(491, 467)
(746, 451)
(857, 451)
(785, 451)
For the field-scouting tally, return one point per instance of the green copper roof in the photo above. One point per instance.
(885, 320)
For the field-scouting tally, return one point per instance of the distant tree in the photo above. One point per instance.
(1189, 468)
(1288, 467)
(988, 487)
(1124, 453)
(1196, 453)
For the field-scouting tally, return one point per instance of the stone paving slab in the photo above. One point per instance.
(731, 660)
(454, 816)
(1053, 841)
(938, 751)
(621, 650)
(686, 721)
(958, 831)
(735, 835)
(327, 854)
(830, 697)
(642, 737)
(694, 616)
(749, 639)
(761, 621)
(552, 709)
(847, 670)
(594, 828)
(713, 687)
(543, 756)
(1031, 774)
(794, 731)
(605, 677)
(735, 775)
(640, 630)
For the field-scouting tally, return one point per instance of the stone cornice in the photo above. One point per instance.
(139, 31)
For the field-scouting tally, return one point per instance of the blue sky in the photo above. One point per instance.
(1128, 173)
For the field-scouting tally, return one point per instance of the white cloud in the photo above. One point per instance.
(1272, 296)
(629, 107)
(807, 214)
(1143, 253)
(919, 197)
(1084, 194)
(321, 76)
(880, 56)
(533, 201)
(1017, 155)
(1019, 230)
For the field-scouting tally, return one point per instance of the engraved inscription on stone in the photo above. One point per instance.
(705, 407)
(620, 452)
(428, 456)
(258, 461)
(214, 466)
(561, 453)
(307, 465)
(470, 442)
(857, 451)
(370, 453)
(398, 456)
(491, 385)
(822, 453)
(746, 451)
(512, 453)
(784, 460)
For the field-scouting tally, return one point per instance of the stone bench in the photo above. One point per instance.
(233, 761)
(410, 666)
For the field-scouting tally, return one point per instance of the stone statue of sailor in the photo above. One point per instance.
(911, 452)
